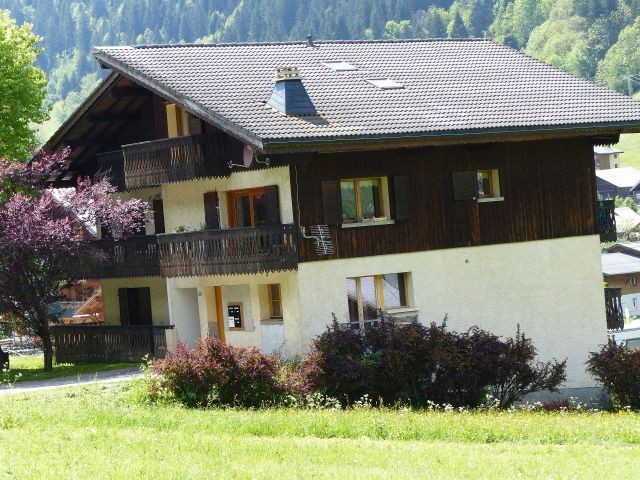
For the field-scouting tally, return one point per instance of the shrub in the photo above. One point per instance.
(422, 364)
(213, 373)
(618, 369)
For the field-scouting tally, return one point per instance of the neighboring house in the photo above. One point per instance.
(627, 220)
(618, 182)
(423, 178)
(606, 157)
(621, 269)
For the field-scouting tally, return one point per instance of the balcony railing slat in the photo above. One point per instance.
(232, 251)
(613, 307)
(150, 164)
(607, 220)
(127, 257)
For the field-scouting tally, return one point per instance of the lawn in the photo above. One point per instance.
(101, 432)
(30, 367)
(630, 144)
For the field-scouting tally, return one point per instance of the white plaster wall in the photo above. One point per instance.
(250, 290)
(552, 288)
(184, 203)
(158, 290)
(186, 317)
(627, 304)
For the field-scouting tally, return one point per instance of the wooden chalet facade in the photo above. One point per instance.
(278, 204)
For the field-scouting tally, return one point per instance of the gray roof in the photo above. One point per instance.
(451, 87)
(626, 177)
(619, 264)
(604, 150)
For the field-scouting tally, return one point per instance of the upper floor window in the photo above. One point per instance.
(365, 201)
(253, 207)
(633, 281)
(366, 296)
(481, 185)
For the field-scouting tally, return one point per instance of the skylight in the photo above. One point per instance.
(385, 83)
(339, 66)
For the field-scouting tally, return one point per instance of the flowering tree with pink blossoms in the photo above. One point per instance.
(38, 244)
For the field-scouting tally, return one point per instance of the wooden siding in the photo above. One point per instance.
(548, 189)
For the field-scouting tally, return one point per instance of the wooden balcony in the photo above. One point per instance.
(613, 306)
(150, 164)
(101, 344)
(607, 220)
(233, 251)
(111, 165)
(127, 257)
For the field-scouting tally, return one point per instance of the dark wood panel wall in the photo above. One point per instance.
(548, 189)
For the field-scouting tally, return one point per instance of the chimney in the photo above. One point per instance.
(310, 41)
(289, 95)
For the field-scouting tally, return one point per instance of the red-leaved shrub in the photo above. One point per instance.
(618, 369)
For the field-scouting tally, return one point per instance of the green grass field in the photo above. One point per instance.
(630, 144)
(100, 432)
(30, 367)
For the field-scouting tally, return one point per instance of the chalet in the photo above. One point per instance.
(618, 182)
(606, 157)
(621, 271)
(293, 181)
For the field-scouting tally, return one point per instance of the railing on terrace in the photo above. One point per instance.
(100, 344)
(126, 257)
(150, 164)
(232, 251)
(607, 220)
(613, 306)
(111, 164)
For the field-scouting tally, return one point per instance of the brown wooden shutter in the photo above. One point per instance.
(211, 211)
(123, 300)
(401, 197)
(158, 216)
(465, 185)
(273, 205)
(331, 202)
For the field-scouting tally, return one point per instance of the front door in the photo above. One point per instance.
(135, 306)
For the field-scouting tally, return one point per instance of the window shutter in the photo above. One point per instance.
(273, 205)
(331, 202)
(158, 216)
(211, 211)
(123, 300)
(401, 197)
(195, 125)
(465, 185)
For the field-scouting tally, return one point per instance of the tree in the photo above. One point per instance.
(22, 88)
(38, 244)
(456, 28)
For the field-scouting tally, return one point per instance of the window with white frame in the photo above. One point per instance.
(633, 281)
(367, 295)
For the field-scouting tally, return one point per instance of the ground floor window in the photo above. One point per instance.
(275, 301)
(366, 296)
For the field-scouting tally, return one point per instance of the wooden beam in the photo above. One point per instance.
(84, 142)
(113, 117)
(131, 91)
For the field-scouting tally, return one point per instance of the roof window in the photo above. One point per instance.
(385, 83)
(339, 66)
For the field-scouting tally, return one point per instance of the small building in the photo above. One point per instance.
(618, 182)
(606, 157)
(627, 220)
(621, 269)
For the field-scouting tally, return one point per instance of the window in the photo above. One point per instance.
(362, 200)
(275, 301)
(338, 66)
(481, 185)
(367, 295)
(635, 302)
(177, 121)
(254, 207)
(633, 281)
(385, 83)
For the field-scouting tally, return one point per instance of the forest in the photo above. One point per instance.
(595, 39)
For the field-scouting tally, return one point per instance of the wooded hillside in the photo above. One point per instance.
(596, 39)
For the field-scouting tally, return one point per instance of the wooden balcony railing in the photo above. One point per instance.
(233, 251)
(607, 220)
(127, 257)
(613, 306)
(150, 164)
(100, 344)
(111, 164)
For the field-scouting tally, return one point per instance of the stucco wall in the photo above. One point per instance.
(552, 288)
(184, 204)
(251, 291)
(158, 290)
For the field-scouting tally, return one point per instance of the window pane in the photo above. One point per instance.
(370, 198)
(260, 209)
(369, 304)
(352, 298)
(276, 309)
(348, 199)
(484, 183)
(243, 211)
(276, 301)
(394, 290)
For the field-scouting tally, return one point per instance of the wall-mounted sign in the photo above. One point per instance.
(234, 315)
